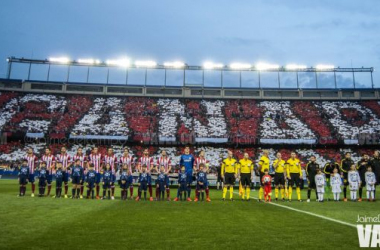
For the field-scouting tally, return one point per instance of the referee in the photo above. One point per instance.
(245, 175)
(279, 176)
(312, 168)
(345, 166)
(263, 165)
(294, 173)
(228, 172)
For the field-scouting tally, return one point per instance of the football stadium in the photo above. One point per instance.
(116, 152)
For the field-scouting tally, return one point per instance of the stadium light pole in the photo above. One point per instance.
(9, 71)
(335, 80)
(372, 80)
(259, 80)
(165, 79)
(184, 76)
(221, 79)
(108, 75)
(30, 67)
(316, 80)
(68, 73)
(353, 78)
(48, 73)
(298, 85)
(240, 78)
(203, 78)
(88, 73)
(126, 76)
(146, 76)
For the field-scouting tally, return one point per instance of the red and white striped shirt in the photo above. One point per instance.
(81, 158)
(166, 162)
(198, 161)
(148, 161)
(64, 159)
(32, 160)
(112, 160)
(96, 160)
(127, 160)
(49, 160)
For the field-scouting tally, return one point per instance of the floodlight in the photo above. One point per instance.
(211, 65)
(147, 64)
(240, 66)
(322, 67)
(175, 64)
(295, 67)
(266, 66)
(59, 59)
(125, 62)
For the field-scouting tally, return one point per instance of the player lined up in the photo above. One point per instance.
(288, 174)
(103, 169)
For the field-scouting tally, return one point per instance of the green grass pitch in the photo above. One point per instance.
(46, 223)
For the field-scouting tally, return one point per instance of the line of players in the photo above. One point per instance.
(288, 173)
(97, 169)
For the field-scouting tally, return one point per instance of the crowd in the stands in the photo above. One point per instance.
(141, 118)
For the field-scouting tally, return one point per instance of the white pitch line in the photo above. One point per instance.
(310, 213)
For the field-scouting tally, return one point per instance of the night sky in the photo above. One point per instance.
(341, 33)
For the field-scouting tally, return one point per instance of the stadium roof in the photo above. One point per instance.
(123, 71)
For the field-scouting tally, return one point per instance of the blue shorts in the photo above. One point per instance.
(23, 180)
(124, 185)
(149, 180)
(76, 180)
(58, 182)
(183, 187)
(130, 179)
(65, 177)
(161, 186)
(91, 184)
(31, 178)
(143, 186)
(49, 179)
(97, 178)
(189, 179)
(201, 187)
(83, 179)
(42, 182)
(107, 185)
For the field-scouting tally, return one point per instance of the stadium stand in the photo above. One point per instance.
(216, 121)
(213, 125)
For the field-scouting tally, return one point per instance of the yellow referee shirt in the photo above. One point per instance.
(293, 166)
(245, 166)
(280, 168)
(229, 166)
(264, 163)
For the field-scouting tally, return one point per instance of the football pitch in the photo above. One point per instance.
(46, 223)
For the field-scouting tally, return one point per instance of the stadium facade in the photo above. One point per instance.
(337, 110)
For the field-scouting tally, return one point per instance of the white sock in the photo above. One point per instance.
(321, 195)
(373, 195)
(352, 195)
(368, 195)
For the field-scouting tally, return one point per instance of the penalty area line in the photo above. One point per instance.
(309, 213)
